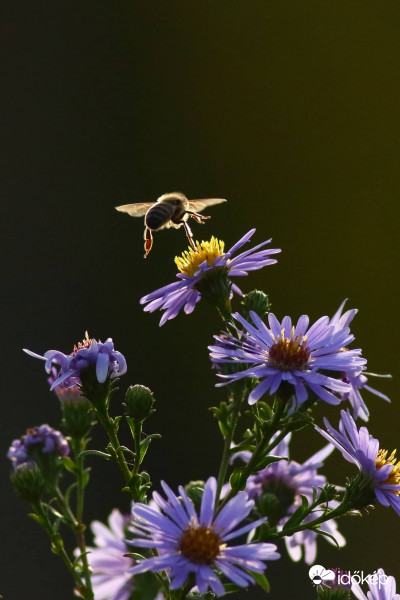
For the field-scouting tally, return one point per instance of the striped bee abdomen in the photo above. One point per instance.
(158, 215)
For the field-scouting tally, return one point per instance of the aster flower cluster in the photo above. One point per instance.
(191, 543)
(216, 536)
(86, 356)
(278, 491)
(357, 446)
(36, 441)
(196, 266)
(306, 358)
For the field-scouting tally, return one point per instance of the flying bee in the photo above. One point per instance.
(170, 210)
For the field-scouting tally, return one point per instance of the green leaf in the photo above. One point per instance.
(131, 424)
(69, 464)
(144, 444)
(262, 581)
(268, 460)
(146, 586)
(55, 512)
(297, 516)
(69, 491)
(56, 525)
(240, 448)
(36, 518)
(127, 451)
(104, 455)
(85, 477)
(78, 558)
(135, 555)
(238, 479)
(326, 534)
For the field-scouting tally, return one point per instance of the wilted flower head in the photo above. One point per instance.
(88, 355)
(190, 543)
(204, 268)
(36, 441)
(360, 448)
(111, 579)
(290, 357)
(381, 587)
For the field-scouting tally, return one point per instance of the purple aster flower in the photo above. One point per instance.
(190, 543)
(288, 476)
(87, 355)
(356, 379)
(287, 481)
(195, 265)
(38, 440)
(360, 448)
(381, 587)
(68, 390)
(304, 543)
(110, 568)
(290, 357)
(357, 382)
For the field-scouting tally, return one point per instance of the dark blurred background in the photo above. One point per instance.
(290, 111)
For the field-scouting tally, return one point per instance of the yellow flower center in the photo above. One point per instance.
(190, 260)
(289, 354)
(394, 477)
(200, 545)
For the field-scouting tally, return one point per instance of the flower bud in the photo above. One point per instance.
(256, 301)
(43, 446)
(28, 481)
(139, 401)
(194, 489)
(275, 500)
(328, 593)
(78, 416)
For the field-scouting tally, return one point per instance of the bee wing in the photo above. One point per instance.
(138, 209)
(199, 205)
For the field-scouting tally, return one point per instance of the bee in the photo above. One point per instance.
(170, 210)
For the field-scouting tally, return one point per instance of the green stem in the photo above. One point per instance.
(111, 430)
(262, 448)
(78, 527)
(79, 446)
(227, 444)
(137, 437)
(343, 507)
(57, 547)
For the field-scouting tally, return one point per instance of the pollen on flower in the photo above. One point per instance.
(289, 354)
(85, 343)
(190, 260)
(200, 545)
(394, 477)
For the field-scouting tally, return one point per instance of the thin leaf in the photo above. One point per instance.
(69, 464)
(104, 455)
(262, 581)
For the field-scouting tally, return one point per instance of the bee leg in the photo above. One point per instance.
(148, 241)
(189, 234)
(198, 218)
